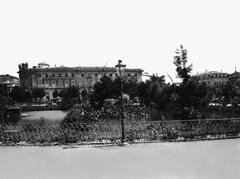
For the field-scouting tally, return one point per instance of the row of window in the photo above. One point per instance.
(218, 84)
(55, 83)
(46, 75)
(215, 76)
(72, 75)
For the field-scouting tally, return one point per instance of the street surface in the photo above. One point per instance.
(204, 159)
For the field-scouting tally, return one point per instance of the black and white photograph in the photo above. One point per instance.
(119, 89)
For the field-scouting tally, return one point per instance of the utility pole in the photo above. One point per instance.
(120, 67)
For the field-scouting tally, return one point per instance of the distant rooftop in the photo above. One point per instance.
(209, 73)
(43, 66)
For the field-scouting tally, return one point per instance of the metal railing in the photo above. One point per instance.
(110, 132)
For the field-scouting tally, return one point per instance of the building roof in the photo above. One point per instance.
(9, 80)
(209, 73)
(43, 63)
(83, 69)
(236, 73)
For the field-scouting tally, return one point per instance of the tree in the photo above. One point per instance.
(231, 90)
(190, 96)
(142, 92)
(20, 94)
(155, 88)
(38, 93)
(70, 96)
(81, 116)
(180, 60)
(104, 89)
(55, 93)
(71, 92)
(84, 95)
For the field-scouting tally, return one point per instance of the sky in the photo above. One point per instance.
(142, 33)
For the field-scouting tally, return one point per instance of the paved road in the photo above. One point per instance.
(207, 159)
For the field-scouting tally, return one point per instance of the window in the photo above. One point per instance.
(60, 83)
(73, 75)
(96, 75)
(82, 75)
(39, 75)
(53, 83)
(66, 83)
(46, 75)
(73, 83)
(110, 74)
(66, 75)
(60, 75)
(136, 74)
(129, 74)
(53, 75)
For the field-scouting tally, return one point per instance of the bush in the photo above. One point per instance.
(67, 103)
(79, 118)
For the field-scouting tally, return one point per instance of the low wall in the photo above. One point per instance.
(135, 132)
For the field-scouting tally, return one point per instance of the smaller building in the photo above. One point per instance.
(212, 78)
(9, 81)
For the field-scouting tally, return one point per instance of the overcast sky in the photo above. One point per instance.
(143, 33)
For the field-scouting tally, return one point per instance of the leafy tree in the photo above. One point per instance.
(38, 93)
(70, 96)
(20, 94)
(180, 60)
(131, 88)
(55, 93)
(189, 96)
(231, 90)
(71, 92)
(142, 92)
(104, 89)
(81, 116)
(155, 88)
(84, 95)
(67, 103)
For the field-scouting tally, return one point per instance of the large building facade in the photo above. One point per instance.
(58, 78)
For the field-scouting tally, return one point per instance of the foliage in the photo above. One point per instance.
(180, 60)
(189, 96)
(55, 93)
(71, 92)
(70, 96)
(38, 93)
(147, 91)
(81, 116)
(104, 89)
(20, 94)
(3, 93)
(68, 103)
(84, 95)
(231, 90)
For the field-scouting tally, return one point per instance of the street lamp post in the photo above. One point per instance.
(120, 67)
